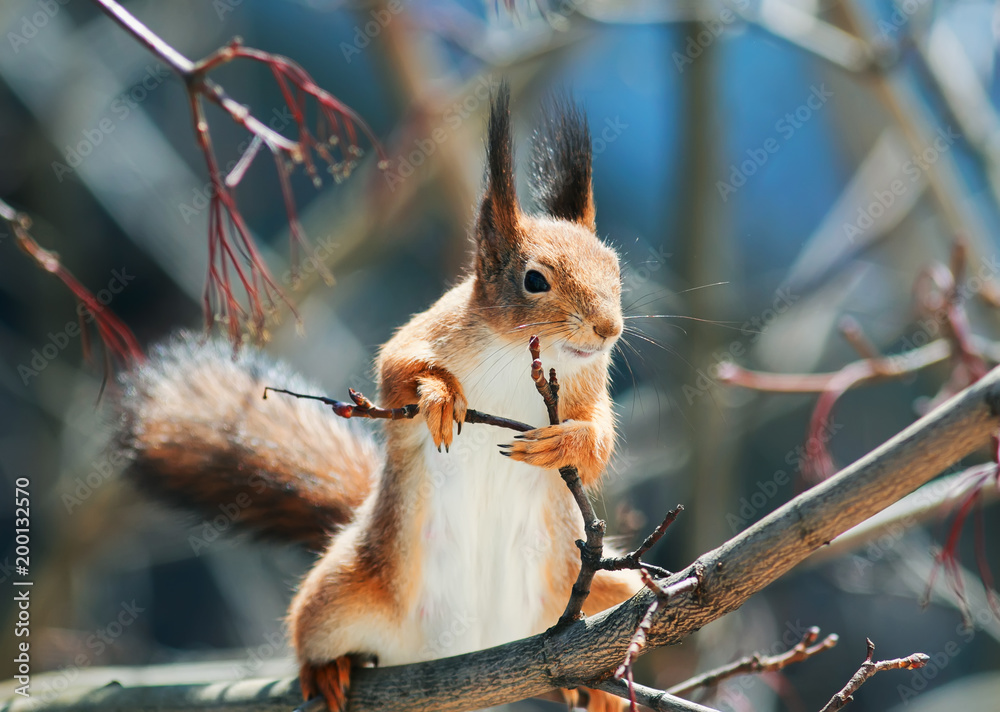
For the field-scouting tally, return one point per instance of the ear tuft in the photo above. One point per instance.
(500, 191)
(561, 164)
(496, 224)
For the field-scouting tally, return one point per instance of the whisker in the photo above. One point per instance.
(704, 286)
(635, 385)
(672, 326)
(519, 327)
(648, 298)
(713, 322)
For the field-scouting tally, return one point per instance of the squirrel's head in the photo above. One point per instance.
(546, 273)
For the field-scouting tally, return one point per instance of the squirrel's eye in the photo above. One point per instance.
(534, 281)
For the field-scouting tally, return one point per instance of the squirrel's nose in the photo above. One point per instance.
(608, 328)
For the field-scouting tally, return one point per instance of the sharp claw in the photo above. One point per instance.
(459, 427)
(445, 448)
(439, 447)
(520, 437)
(503, 445)
(504, 453)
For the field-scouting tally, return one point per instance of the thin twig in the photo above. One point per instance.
(117, 338)
(549, 396)
(855, 336)
(632, 560)
(867, 670)
(757, 663)
(364, 408)
(657, 700)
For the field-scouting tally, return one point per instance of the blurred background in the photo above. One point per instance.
(764, 167)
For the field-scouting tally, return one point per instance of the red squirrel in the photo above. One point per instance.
(437, 524)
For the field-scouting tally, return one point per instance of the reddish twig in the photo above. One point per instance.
(758, 663)
(364, 408)
(832, 386)
(117, 338)
(895, 366)
(947, 559)
(638, 641)
(549, 390)
(867, 670)
(939, 297)
(232, 251)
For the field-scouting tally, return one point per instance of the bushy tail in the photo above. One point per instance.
(196, 433)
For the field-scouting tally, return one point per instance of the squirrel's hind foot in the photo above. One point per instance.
(330, 680)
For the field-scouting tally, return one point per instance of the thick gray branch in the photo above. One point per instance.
(589, 650)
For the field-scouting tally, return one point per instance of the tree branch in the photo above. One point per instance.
(587, 652)
(758, 663)
(867, 670)
(118, 339)
(231, 247)
(364, 408)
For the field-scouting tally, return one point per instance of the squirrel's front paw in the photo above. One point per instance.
(572, 442)
(330, 680)
(443, 404)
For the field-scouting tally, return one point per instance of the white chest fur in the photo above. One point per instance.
(486, 542)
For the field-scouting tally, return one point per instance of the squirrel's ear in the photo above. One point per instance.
(496, 225)
(561, 164)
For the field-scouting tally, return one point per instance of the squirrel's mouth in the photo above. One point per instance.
(581, 353)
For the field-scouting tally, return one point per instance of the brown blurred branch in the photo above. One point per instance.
(857, 373)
